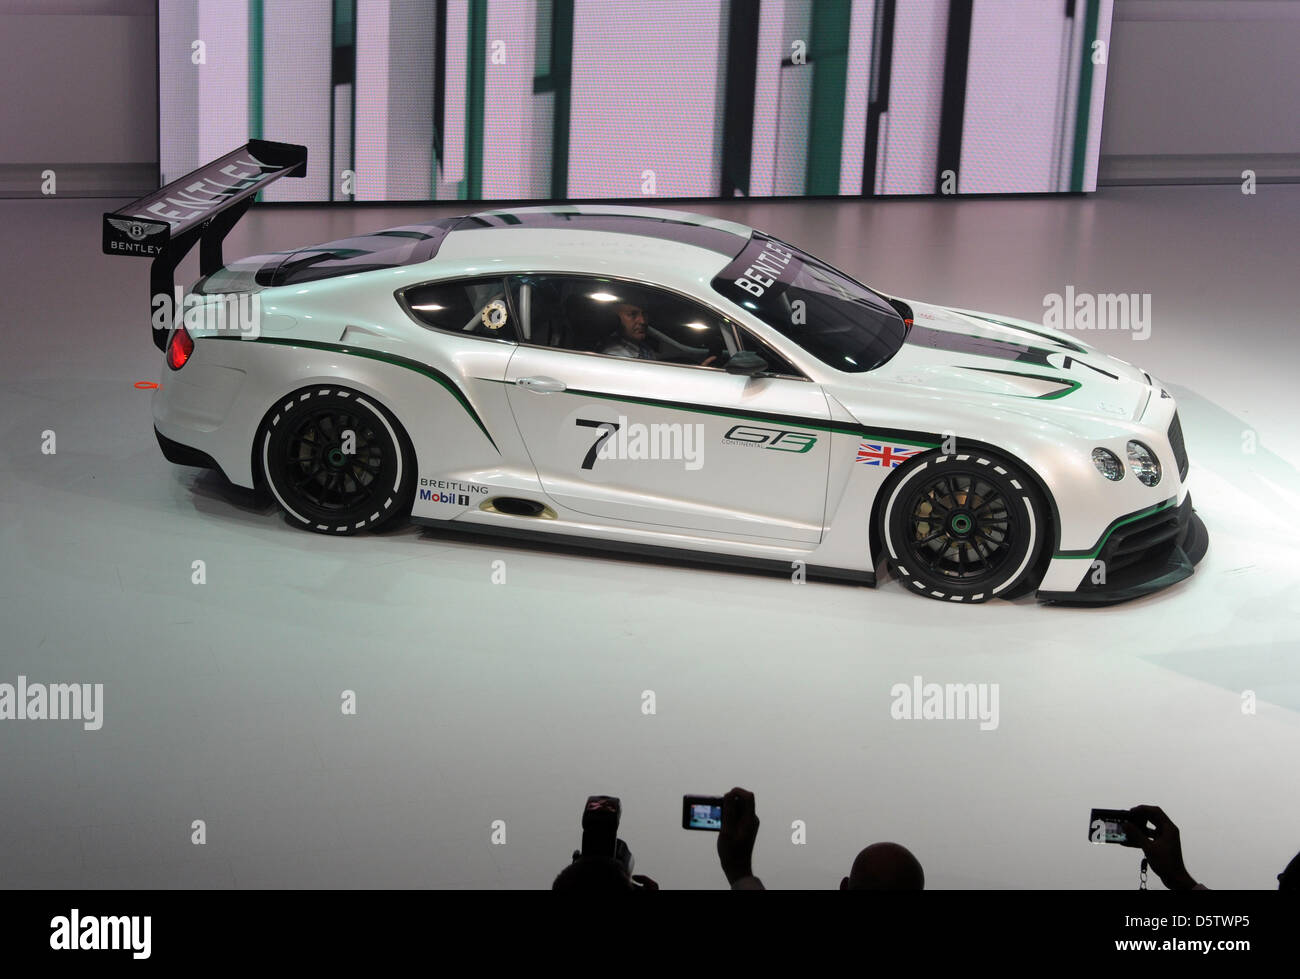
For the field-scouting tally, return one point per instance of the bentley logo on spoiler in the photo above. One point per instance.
(139, 237)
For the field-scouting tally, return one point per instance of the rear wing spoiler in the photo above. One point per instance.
(202, 207)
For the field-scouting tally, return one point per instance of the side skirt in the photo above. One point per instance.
(678, 555)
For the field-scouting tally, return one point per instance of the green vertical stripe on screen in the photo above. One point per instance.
(828, 48)
(1085, 96)
(475, 85)
(255, 69)
(255, 73)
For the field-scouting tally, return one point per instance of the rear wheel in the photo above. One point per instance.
(336, 462)
(964, 528)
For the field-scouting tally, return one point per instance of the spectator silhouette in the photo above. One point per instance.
(1289, 879)
(600, 875)
(885, 867)
(736, 840)
(880, 867)
(1162, 846)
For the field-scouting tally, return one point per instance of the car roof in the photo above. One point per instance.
(656, 243)
(726, 238)
(576, 237)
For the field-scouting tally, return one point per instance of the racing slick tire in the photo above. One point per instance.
(336, 461)
(963, 528)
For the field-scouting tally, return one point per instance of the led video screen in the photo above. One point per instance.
(600, 99)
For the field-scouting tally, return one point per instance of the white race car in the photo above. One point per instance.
(656, 382)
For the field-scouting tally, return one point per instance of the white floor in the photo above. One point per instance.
(482, 702)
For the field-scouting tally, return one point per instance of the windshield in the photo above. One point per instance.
(839, 321)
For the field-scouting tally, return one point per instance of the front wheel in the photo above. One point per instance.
(963, 528)
(336, 462)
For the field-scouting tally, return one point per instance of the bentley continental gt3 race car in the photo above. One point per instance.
(655, 382)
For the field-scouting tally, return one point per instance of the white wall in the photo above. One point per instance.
(645, 100)
(909, 131)
(394, 122)
(296, 66)
(511, 131)
(1202, 89)
(1198, 90)
(1021, 75)
(79, 96)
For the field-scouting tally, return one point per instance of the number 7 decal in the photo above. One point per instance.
(608, 429)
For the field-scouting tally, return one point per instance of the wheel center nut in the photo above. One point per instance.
(961, 523)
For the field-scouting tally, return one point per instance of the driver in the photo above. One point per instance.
(629, 337)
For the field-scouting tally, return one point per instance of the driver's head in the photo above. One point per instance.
(631, 321)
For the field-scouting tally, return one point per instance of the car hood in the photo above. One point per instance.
(999, 358)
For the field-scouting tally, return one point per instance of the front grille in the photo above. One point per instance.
(1149, 537)
(1176, 442)
(1138, 551)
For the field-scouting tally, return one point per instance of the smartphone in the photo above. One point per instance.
(702, 812)
(1107, 825)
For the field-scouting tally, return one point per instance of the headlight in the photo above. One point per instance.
(1107, 463)
(1143, 462)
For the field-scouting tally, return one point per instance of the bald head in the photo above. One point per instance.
(885, 867)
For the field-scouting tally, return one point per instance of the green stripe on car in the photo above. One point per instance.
(1115, 525)
(411, 365)
(817, 424)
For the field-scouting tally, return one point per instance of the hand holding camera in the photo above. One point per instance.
(733, 818)
(1153, 831)
(1148, 828)
(738, 834)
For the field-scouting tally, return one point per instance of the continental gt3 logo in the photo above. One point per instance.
(776, 439)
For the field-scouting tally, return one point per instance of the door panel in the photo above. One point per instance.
(693, 449)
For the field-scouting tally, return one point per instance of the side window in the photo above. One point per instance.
(536, 299)
(620, 319)
(475, 308)
(776, 364)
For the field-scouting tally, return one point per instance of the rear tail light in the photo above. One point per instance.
(179, 349)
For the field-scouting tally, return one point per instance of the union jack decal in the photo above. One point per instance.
(875, 454)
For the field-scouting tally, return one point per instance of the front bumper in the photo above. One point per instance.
(1141, 557)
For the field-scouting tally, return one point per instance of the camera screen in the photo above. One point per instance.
(705, 817)
(1112, 831)
(1107, 826)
